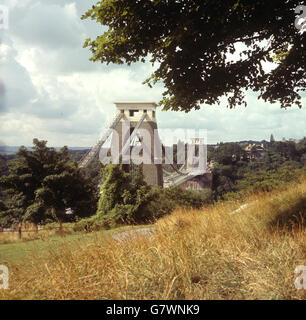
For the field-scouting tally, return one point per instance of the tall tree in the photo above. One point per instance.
(193, 43)
(301, 149)
(124, 197)
(42, 183)
(114, 184)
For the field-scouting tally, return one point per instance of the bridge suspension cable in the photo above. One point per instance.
(91, 154)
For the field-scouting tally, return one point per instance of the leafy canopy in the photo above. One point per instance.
(191, 42)
(41, 184)
(123, 198)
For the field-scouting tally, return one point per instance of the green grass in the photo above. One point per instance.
(18, 251)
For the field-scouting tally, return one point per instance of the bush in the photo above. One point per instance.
(266, 181)
(131, 200)
(165, 201)
(188, 198)
(123, 198)
(93, 223)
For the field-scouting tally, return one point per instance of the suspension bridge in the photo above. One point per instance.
(140, 115)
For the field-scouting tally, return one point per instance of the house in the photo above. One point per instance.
(255, 152)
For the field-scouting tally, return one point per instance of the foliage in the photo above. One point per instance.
(187, 198)
(192, 43)
(4, 171)
(3, 165)
(130, 200)
(123, 198)
(93, 169)
(233, 169)
(266, 181)
(262, 180)
(230, 158)
(42, 183)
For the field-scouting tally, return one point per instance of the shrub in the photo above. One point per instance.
(125, 199)
(266, 181)
(188, 198)
(93, 223)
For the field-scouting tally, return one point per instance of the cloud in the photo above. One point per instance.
(50, 90)
(256, 121)
(47, 26)
(17, 87)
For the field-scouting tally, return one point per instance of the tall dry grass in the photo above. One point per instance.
(29, 233)
(203, 254)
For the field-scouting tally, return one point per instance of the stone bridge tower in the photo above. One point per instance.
(140, 115)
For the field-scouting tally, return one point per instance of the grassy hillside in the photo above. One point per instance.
(14, 251)
(217, 252)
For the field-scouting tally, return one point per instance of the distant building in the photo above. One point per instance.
(255, 152)
(290, 140)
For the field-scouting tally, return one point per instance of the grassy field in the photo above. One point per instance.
(12, 250)
(195, 254)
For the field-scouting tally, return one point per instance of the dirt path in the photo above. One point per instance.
(244, 206)
(132, 234)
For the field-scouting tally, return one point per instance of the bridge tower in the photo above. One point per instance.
(140, 115)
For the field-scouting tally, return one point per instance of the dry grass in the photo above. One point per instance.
(204, 254)
(29, 234)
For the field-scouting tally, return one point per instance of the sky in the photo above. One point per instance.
(50, 90)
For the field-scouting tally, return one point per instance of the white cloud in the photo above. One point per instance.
(49, 89)
(48, 26)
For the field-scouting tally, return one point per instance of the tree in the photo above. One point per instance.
(93, 169)
(124, 198)
(301, 147)
(192, 43)
(115, 184)
(263, 180)
(42, 183)
(131, 200)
